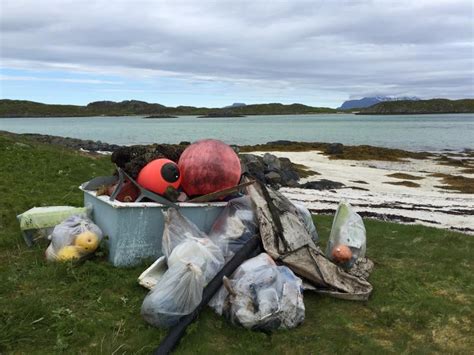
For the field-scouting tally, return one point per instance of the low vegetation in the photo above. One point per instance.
(422, 301)
(405, 176)
(420, 107)
(403, 183)
(303, 171)
(348, 152)
(21, 108)
(457, 183)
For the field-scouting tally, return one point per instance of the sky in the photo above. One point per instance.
(214, 53)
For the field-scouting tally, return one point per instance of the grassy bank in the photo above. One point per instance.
(423, 281)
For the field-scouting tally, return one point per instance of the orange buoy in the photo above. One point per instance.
(341, 254)
(208, 166)
(158, 175)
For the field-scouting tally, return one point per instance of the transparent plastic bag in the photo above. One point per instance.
(37, 223)
(177, 229)
(261, 295)
(347, 241)
(73, 238)
(202, 252)
(183, 242)
(305, 216)
(235, 226)
(177, 293)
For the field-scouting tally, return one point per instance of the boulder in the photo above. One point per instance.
(322, 184)
(272, 163)
(253, 165)
(273, 178)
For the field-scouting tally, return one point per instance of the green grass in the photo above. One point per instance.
(422, 300)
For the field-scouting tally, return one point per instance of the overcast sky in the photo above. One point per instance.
(214, 53)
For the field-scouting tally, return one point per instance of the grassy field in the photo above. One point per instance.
(422, 303)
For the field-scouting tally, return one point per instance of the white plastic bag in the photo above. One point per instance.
(73, 238)
(177, 293)
(261, 295)
(235, 226)
(347, 241)
(305, 216)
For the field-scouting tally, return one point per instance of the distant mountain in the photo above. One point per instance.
(420, 107)
(373, 100)
(236, 104)
(22, 108)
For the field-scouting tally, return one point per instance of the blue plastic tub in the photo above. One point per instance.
(133, 231)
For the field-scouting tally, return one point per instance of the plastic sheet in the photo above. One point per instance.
(73, 238)
(348, 231)
(261, 295)
(235, 226)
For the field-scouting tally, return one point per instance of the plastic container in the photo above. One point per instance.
(133, 231)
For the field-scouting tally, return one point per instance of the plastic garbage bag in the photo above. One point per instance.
(37, 223)
(307, 219)
(73, 238)
(347, 241)
(177, 293)
(202, 252)
(193, 260)
(261, 295)
(184, 243)
(177, 229)
(234, 226)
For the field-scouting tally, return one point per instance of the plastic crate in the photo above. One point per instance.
(133, 231)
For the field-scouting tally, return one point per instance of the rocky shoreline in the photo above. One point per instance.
(269, 169)
(374, 180)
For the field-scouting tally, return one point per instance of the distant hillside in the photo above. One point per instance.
(420, 107)
(370, 101)
(21, 108)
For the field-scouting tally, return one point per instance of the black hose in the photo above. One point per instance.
(250, 249)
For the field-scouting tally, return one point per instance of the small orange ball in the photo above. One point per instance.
(341, 254)
(158, 175)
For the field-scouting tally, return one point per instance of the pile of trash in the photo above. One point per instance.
(251, 267)
(266, 291)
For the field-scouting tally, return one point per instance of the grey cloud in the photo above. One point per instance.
(419, 48)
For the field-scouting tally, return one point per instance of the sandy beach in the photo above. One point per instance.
(368, 189)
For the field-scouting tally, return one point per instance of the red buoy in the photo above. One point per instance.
(158, 175)
(208, 166)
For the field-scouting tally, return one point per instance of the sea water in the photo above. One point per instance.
(411, 132)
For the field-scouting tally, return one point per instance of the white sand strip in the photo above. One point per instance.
(427, 204)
